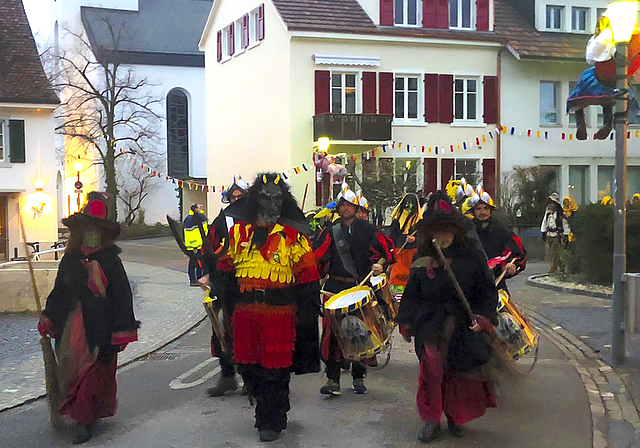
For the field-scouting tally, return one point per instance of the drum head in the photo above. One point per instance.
(349, 300)
(378, 282)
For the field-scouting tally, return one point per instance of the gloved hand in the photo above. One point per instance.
(406, 332)
(544, 236)
(482, 324)
(45, 327)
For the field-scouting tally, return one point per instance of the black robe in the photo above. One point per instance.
(427, 302)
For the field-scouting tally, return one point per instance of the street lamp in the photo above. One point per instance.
(78, 185)
(623, 17)
(323, 144)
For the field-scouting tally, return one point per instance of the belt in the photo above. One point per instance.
(277, 296)
(343, 279)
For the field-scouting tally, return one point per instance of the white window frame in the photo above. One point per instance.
(557, 101)
(478, 172)
(548, 20)
(465, 93)
(472, 19)
(420, 99)
(575, 10)
(571, 121)
(599, 12)
(3, 140)
(253, 28)
(343, 89)
(405, 13)
(237, 35)
(225, 43)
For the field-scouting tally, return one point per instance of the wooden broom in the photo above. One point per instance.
(54, 394)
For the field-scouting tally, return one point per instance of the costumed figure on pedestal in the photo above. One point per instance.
(448, 343)
(597, 85)
(402, 232)
(215, 279)
(275, 321)
(347, 251)
(89, 312)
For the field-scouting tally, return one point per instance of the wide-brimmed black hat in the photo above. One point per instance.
(95, 213)
(441, 213)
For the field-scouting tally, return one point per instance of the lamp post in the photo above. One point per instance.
(623, 16)
(78, 185)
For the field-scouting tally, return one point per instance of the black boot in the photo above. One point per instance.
(581, 124)
(82, 434)
(454, 430)
(429, 432)
(606, 128)
(268, 435)
(225, 384)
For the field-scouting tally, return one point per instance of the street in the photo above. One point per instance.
(162, 402)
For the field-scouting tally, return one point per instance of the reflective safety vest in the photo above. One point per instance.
(192, 236)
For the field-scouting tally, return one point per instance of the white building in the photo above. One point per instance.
(29, 178)
(158, 40)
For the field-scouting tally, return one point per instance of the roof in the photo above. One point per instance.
(22, 78)
(530, 43)
(160, 32)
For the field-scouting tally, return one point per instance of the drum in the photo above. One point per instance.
(357, 320)
(514, 328)
(385, 298)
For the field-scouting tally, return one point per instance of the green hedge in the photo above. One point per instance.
(593, 228)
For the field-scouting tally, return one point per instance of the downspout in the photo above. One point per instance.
(499, 139)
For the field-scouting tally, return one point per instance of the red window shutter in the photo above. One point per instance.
(261, 22)
(491, 105)
(431, 98)
(445, 108)
(319, 178)
(386, 12)
(219, 46)
(245, 31)
(489, 176)
(385, 106)
(369, 92)
(430, 176)
(482, 14)
(232, 40)
(442, 14)
(323, 87)
(446, 173)
(429, 14)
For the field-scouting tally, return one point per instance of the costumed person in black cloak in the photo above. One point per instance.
(275, 321)
(216, 279)
(89, 312)
(448, 344)
(555, 230)
(347, 250)
(193, 240)
(402, 232)
(503, 248)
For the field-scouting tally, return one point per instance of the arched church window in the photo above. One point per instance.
(177, 134)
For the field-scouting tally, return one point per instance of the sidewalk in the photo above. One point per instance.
(163, 302)
(586, 322)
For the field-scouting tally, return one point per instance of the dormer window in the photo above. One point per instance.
(407, 12)
(579, 19)
(554, 17)
(461, 14)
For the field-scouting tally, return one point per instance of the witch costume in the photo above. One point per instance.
(451, 380)
(89, 312)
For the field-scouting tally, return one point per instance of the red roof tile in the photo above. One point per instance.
(22, 78)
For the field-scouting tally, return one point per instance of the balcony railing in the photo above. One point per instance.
(365, 127)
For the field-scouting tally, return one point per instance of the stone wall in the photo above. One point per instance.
(16, 293)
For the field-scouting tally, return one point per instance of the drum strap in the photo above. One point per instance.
(343, 250)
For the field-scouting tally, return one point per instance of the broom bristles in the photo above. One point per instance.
(52, 385)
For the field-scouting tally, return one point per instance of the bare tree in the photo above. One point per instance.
(105, 106)
(134, 185)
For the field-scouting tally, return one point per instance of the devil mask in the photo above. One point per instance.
(269, 200)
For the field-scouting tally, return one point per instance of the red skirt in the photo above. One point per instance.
(264, 334)
(89, 385)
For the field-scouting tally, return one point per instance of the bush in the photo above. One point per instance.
(593, 228)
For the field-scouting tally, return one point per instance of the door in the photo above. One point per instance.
(4, 233)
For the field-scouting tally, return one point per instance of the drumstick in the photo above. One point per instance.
(366, 279)
(504, 272)
(405, 241)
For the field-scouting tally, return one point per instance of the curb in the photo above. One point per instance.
(533, 281)
(609, 400)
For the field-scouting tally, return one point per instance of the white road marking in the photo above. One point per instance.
(177, 383)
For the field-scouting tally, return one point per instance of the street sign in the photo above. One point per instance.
(78, 191)
(78, 186)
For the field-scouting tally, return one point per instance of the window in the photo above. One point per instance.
(633, 181)
(572, 115)
(406, 175)
(579, 19)
(2, 140)
(343, 93)
(579, 184)
(549, 104)
(599, 12)
(237, 35)
(466, 99)
(461, 14)
(177, 134)
(635, 122)
(605, 181)
(554, 17)
(227, 43)
(469, 169)
(406, 97)
(254, 26)
(407, 12)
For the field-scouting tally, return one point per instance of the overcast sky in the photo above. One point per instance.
(38, 15)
